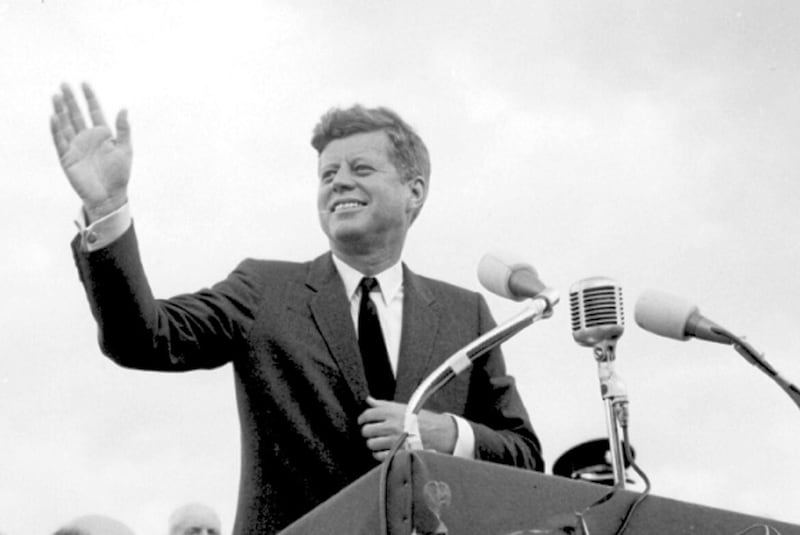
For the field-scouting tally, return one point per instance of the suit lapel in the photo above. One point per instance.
(331, 311)
(420, 328)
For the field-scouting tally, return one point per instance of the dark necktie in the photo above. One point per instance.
(373, 348)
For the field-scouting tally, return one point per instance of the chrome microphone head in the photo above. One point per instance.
(597, 311)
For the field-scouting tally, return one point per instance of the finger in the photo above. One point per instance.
(374, 402)
(369, 415)
(380, 443)
(95, 111)
(75, 115)
(58, 140)
(376, 410)
(58, 103)
(373, 430)
(374, 415)
(62, 116)
(383, 428)
(123, 129)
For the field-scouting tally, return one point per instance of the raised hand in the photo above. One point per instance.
(97, 164)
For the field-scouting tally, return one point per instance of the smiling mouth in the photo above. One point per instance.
(347, 205)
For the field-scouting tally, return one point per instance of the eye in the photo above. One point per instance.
(327, 175)
(363, 169)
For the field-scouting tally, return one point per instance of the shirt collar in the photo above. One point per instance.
(390, 280)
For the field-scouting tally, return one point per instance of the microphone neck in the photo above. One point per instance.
(605, 350)
(705, 329)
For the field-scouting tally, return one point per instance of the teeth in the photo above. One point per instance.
(349, 204)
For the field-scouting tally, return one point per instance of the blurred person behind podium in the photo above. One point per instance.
(314, 416)
(94, 525)
(194, 519)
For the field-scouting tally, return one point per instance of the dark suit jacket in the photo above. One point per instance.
(300, 385)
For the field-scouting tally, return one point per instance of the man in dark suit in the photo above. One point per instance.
(326, 353)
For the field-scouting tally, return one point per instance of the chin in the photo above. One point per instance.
(344, 233)
(348, 223)
(350, 241)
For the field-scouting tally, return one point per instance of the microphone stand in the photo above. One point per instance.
(540, 308)
(757, 359)
(615, 397)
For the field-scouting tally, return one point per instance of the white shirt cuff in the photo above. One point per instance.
(105, 230)
(465, 443)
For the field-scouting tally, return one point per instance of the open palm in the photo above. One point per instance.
(97, 165)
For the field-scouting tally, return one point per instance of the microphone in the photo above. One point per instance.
(504, 275)
(670, 316)
(598, 321)
(597, 314)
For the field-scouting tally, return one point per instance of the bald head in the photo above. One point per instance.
(194, 519)
(95, 525)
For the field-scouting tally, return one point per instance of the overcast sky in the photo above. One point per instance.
(650, 142)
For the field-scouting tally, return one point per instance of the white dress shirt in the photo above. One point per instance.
(390, 313)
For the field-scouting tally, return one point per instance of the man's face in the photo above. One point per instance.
(364, 204)
(197, 521)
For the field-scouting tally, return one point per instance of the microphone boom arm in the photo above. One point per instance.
(757, 359)
(540, 308)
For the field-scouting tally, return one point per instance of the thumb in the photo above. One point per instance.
(123, 129)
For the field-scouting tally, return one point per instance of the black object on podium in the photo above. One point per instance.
(433, 494)
(591, 461)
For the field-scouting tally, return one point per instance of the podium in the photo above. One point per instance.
(432, 494)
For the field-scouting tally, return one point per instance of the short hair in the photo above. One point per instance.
(409, 153)
(70, 531)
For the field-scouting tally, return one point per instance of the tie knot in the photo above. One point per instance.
(369, 284)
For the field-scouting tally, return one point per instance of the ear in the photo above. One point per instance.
(418, 189)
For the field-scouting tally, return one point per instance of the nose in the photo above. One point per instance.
(342, 180)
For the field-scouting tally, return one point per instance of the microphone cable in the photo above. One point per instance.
(383, 484)
(621, 417)
(621, 412)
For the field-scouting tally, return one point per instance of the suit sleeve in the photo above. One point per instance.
(199, 330)
(503, 431)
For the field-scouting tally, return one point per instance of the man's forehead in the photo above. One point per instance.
(375, 144)
(197, 518)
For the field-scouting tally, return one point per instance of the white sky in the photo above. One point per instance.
(651, 143)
